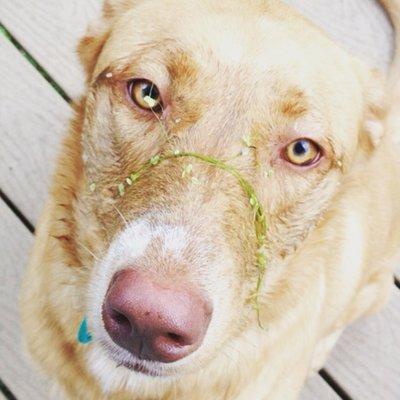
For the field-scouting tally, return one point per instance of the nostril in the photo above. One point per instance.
(176, 339)
(121, 320)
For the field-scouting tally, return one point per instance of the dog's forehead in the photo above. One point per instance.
(231, 34)
(228, 33)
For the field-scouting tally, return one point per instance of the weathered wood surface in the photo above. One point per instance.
(317, 389)
(33, 118)
(50, 30)
(366, 360)
(15, 370)
(361, 26)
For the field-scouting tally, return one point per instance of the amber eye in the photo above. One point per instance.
(302, 152)
(145, 94)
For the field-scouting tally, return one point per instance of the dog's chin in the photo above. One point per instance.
(142, 367)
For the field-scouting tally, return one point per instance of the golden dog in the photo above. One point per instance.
(157, 251)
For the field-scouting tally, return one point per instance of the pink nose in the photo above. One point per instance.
(154, 320)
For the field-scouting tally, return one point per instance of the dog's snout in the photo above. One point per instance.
(153, 319)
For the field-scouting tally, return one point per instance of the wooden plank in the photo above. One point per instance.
(317, 389)
(366, 360)
(15, 371)
(49, 30)
(33, 118)
(361, 26)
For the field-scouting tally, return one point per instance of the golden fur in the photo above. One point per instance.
(228, 68)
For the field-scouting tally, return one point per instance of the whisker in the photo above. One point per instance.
(161, 123)
(121, 215)
(87, 249)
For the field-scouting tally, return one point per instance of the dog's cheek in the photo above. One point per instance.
(99, 148)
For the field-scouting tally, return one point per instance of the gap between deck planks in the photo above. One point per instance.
(49, 30)
(50, 167)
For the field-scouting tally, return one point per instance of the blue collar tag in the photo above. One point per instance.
(84, 336)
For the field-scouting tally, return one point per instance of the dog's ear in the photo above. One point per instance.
(90, 46)
(372, 129)
(112, 8)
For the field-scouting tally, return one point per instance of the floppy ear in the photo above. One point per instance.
(91, 45)
(112, 8)
(372, 130)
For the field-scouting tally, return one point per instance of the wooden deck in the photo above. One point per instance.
(365, 365)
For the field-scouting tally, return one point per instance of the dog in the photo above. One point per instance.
(226, 201)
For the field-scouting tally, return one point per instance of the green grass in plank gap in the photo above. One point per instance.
(6, 33)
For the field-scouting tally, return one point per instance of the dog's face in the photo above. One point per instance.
(247, 82)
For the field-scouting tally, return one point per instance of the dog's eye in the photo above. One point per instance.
(145, 94)
(302, 152)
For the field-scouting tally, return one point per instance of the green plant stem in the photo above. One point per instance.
(260, 223)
